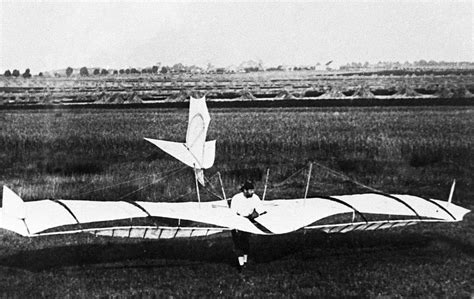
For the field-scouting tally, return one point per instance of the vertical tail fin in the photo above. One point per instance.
(196, 152)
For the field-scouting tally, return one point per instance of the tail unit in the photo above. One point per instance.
(196, 152)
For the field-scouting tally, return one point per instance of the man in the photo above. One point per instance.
(248, 205)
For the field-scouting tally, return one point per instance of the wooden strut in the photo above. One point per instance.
(307, 183)
(222, 188)
(450, 198)
(197, 186)
(26, 226)
(266, 183)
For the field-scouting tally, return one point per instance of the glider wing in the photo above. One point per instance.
(188, 219)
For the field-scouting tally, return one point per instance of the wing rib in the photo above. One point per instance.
(439, 206)
(400, 201)
(66, 208)
(344, 203)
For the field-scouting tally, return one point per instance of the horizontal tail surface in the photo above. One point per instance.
(188, 155)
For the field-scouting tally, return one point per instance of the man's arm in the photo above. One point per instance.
(259, 206)
(236, 205)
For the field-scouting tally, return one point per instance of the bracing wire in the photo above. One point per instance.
(347, 178)
(126, 182)
(213, 191)
(331, 171)
(154, 182)
(289, 177)
(192, 191)
(113, 185)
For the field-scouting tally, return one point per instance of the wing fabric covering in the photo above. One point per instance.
(35, 218)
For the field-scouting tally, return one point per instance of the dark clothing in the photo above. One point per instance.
(241, 242)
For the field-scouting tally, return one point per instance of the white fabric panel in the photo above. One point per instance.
(45, 214)
(457, 211)
(206, 212)
(197, 129)
(196, 137)
(13, 224)
(423, 207)
(12, 204)
(13, 212)
(177, 150)
(285, 216)
(188, 157)
(92, 211)
(376, 204)
(282, 216)
(209, 154)
(198, 122)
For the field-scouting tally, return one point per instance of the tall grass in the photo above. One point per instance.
(81, 153)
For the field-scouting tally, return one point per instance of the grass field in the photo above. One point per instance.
(81, 153)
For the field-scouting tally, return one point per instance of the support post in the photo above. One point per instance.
(222, 187)
(451, 193)
(197, 186)
(307, 183)
(266, 183)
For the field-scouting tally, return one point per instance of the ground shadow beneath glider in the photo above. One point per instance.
(265, 249)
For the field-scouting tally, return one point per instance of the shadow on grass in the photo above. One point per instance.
(390, 246)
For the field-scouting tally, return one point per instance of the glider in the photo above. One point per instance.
(331, 214)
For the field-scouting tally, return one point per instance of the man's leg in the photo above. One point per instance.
(245, 245)
(238, 248)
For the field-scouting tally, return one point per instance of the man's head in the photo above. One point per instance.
(248, 189)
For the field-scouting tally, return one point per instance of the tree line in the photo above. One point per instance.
(16, 73)
(84, 71)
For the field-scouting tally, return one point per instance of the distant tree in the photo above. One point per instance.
(115, 72)
(164, 70)
(7, 73)
(104, 72)
(27, 74)
(127, 71)
(144, 71)
(134, 71)
(69, 71)
(96, 72)
(16, 73)
(84, 71)
(40, 74)
(422, 62)
(121, 71)
(154, 69)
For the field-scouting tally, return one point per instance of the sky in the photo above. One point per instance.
(45, 35)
